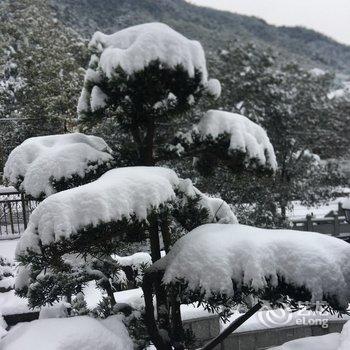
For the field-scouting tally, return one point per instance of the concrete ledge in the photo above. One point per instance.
(205, 329)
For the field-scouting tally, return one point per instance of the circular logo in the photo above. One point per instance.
(274, 318)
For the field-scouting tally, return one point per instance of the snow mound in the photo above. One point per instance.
(213, 255)
(39, 161)
(117, 194)
(332, 341)
(346, 204)
(245, 135)
(135, 47)
(73, 333)
(323, 342)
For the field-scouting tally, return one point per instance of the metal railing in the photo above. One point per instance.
(15, 209)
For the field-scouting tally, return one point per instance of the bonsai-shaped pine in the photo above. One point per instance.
(248, 266)
(146, 79)
(72, 235)
(140, 78)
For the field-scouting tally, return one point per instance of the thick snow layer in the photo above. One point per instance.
(213, 255)
(11, 304)
(135, 47)
(7, 189)
(119, 193)
(136, 261)
(40, 160)
(73, 333)
(332, 341)
(98, 99)
(245, 135)
(214, 88)
(346, 203)
(323, 342)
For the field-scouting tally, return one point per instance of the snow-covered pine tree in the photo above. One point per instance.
(72, 235)
(293, 106)
(139, 77)
(40, 72)
(146, 79)
(252, 267)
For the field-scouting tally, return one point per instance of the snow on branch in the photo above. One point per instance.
(213, 258)
(43, 165)
(241, 135)
(135, 47)
(123, 193)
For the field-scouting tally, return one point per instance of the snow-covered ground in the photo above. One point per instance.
(300, 211)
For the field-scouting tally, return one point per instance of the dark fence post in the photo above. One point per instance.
(308, 223)
(11, 218)
(336, 225)
(24, 211)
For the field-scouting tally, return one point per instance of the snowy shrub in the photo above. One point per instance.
(231, 138)
(279, 266)
(43, 165)
(67, 244)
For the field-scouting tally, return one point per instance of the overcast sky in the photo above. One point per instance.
(331, 17)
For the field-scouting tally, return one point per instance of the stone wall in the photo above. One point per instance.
(208, 328)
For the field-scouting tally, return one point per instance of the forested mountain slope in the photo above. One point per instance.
(213, 28)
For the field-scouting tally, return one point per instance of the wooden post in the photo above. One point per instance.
(150, 278)
(24, 212)
(11, 217)
(309, 223)
(336, 226)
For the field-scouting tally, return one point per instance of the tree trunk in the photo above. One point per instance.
(161, 297)
(149, 279)
(148, 152)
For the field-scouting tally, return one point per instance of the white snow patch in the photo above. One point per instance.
(213, 255)
(214, 88)
(135, 47)
(135, 261)
(317, 72)
(75, 333)
(332, 341)
(39, 160)
(346, 203)
(98, 99)
(324, 342)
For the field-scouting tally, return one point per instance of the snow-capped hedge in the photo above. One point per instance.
(212, 258)
(245, 137)
(119, 193)
(43, 165)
